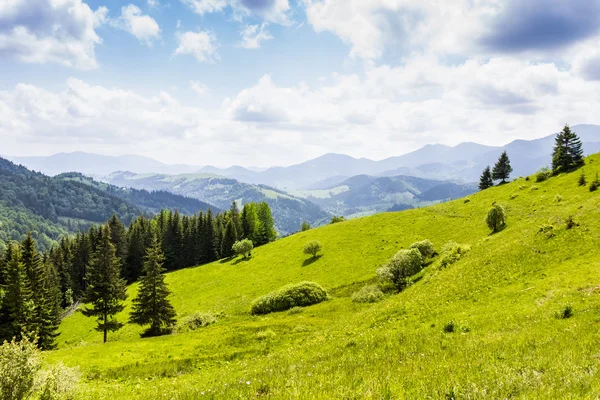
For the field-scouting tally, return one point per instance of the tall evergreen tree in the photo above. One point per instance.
(229, 239)
(211, 252)
(568, 151)
(151, 306)
(52, 311)
(82, 252)
(249, 222)
(17, 304)
(486, 181)
(266, 232)
(502, 169)
(118, 237)
(139, 238)
(237, 219)
(105, 288)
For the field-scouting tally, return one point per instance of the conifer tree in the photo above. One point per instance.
(105, 288)
(82, 252)
(52, 311)
(568, 151)
(229, 239)
(249, 221)
(118, 237)
(486, 180)
(210, 238)
(237, 219)
(266, 230)
(151, 305)
(17, 304)
(502, 169)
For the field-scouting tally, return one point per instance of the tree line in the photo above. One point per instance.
(94, 266)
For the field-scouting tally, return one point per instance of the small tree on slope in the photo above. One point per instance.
(568, 151)
(496, 217)
(486, 180)
(151, 306)
(105, 288)
(502, 169)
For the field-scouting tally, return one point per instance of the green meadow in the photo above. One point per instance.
(488, 326)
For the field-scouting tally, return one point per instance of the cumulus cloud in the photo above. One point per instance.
(542, 24)
(202, 45)
(50, 31)
(254, 35)
(199, 88)
(143, 27)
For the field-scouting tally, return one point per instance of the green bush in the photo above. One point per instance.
(452, 252)
(595, 184)
(401, 267)
(566, 312)
(195, 321)
(450, 327)
(295, 295)
(243, 247)
(312, 248)
(58, 383)
(496, 217)
(425, 247)
(543, 174)
(582, 181)
(335, 219)
(368, 294)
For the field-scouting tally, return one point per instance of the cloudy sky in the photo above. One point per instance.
(264, 82)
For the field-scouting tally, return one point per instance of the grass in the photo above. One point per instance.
(502, 298)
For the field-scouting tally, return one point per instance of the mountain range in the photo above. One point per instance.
(463, 162)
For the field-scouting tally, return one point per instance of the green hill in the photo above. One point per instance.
(502, 301)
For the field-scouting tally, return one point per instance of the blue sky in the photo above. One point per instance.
(265, 82)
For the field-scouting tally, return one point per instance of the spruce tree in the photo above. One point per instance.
(151, 305)
(118, 237)
(210, 238)
(17, 304)
(229, 240)
(249, 221)
(105, 288)
(266, 232)
(568, 151)
(502, 169)
(237, 219)
(486, 180)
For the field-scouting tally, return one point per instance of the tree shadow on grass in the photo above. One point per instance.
(226, 260)
(241, 260)
(500, 229)
(311, 260)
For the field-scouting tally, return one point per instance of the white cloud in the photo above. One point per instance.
(199, 88)
(254, 35)
(153, 3)
(202, 45)
(50, 31)
(143, 27)
(274, 11)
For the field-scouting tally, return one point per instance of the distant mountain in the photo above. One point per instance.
(50, 207)
(96, 164)
(288, 211)
(364, 194)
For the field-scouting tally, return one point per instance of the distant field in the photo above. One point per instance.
(503, 298)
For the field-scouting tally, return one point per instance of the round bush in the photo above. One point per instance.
(368, 294)
(496, 217)
(295, 295)
(425, 247)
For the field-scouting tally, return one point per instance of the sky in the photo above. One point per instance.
(277, 82)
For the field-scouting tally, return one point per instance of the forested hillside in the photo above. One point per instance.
(49, 207)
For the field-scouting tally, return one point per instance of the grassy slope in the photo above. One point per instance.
(506, 291)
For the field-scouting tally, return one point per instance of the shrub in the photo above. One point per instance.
(58, 382)
(496, 217)
(425, 247)
(570, 222)
(467, 200)
(19, 365)
(543, 174)
(558, 198)
(195, 321)
(566, 312)
(243, 247)
(401, 267)
(305, 226)
(452, 252)
(582, 181)
(312, 248)
(595, 184)
(368, 294)
(335, 219)
(295, 295)
(450, 327)
(547, 230)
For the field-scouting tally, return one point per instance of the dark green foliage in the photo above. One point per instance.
(401, 267)
(486, 181)
(243, 247)
(249, 221)
(496, 217)
(335, 219)
(295, 295)
(305, 226)
(266, 232)
(105, 290)
(502, 169)
(312, 248)
(229, 239)
(152, 306)
(568, 151)
(582, 181)
(450, 327)
(17, 303)
(543, 174)
(595, 184)
(566, 312)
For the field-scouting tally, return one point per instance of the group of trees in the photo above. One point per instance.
(567, 156)
(94, 267)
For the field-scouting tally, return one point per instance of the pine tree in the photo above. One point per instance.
(82, 252)
(486, 180)
(237, 219)
(105, 288)
(502, 169)
(151, 306)
(17, 304)
(118, 237)
(568, 151)
(52, 311)
(229, 240)
(210, 238)
(249, 221)
(266, 232)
